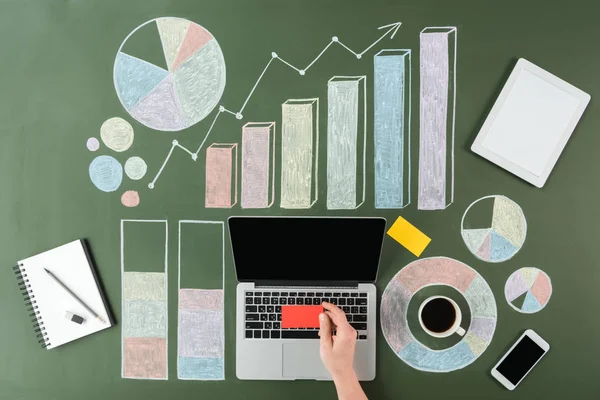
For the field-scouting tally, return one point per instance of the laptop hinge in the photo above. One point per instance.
(292, 284)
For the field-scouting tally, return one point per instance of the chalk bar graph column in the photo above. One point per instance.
(346, 141)
(258, 162)
(221, 175)
(392, 98)
(144, 299)
(438, 105)
(201, 322)
(299, 153)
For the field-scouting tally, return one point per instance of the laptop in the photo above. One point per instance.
(297, 261)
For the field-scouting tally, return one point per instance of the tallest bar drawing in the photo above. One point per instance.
(437, 113)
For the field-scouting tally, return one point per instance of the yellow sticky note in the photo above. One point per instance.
(409, 236)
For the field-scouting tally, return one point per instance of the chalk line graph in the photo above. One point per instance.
(391, 29)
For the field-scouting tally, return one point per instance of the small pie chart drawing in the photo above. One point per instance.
(528, 290)
(181, 91)
(500, 229)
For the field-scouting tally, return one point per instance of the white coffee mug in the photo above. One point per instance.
(455, 328)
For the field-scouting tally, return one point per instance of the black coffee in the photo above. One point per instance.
(438, 315)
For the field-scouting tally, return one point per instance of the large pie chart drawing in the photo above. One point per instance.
(181, 92)
(494, 228)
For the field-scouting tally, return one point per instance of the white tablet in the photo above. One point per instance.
(530, 123)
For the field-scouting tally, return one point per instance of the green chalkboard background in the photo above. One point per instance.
(56, 89)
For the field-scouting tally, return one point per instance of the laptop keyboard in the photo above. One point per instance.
(263, 312)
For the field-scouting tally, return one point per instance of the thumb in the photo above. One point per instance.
(325, 332)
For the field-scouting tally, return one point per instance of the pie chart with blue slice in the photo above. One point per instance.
(494, 228)
(169, 73)
(528, 290)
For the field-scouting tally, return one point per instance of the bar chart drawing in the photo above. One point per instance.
(299, 153)
(144, 306)
(258, 165)
(389, 30)
(221, 175)
(438, 47)
(201, 297)
(346, 142)
(392, 110)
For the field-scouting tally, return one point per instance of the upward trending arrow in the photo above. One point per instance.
(393, 28)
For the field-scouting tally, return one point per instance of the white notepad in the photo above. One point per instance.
(72, 265)
(530, 123)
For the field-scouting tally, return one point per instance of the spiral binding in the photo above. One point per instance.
(31, 304)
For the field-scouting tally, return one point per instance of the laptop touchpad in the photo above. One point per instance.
(302, 361)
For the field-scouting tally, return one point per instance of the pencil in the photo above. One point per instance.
(74, 296)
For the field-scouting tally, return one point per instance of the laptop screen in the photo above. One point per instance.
(306, 249)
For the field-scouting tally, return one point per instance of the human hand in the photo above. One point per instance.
(337, 351)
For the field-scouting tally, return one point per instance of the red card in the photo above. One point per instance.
(300, 316)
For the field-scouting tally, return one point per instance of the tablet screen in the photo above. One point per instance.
(531, 122)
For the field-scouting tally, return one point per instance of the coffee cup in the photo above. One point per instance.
(440, 317)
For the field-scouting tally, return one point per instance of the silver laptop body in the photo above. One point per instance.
(265, 350)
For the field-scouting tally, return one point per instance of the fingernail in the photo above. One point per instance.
(322, 317)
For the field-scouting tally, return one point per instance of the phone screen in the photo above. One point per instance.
(520, 360)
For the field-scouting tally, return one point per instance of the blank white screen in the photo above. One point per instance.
(531, 122)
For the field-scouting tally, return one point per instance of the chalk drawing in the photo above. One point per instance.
(144, 286)
(145, 358)
(529, 275)
(161, 108)
(299, 153)
(346, 142)
(134, 79)
(144, 331)
(438, 271)
(438, 110)
(201, 325)
(135, 168)
(195, 38)
(221, 176)
(144, 319)
(130, 198)
(172, 33)
(198, 299)
(200, 368)
(528, 290)
(200, 334)
(508, 221)
(392, 102)
(506, 233)
(390, 30)
(117, 134)
(185, 94)
(200, 81)
(258, 164)
(106, 173)
(92, 144)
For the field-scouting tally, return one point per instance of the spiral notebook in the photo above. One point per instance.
(48, 303)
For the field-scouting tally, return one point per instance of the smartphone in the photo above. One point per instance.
(520, 359)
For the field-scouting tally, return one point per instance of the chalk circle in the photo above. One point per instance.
(130, 198)
(135, 168)
(92, 144)
(438, 271)
(182, 90)
(499, 232)
(117, 134)
(106, 173)
(528, 290)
